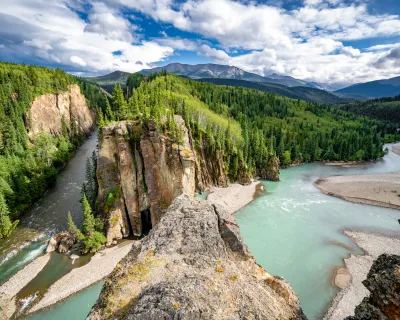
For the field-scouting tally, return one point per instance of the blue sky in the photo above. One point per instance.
(328, 41)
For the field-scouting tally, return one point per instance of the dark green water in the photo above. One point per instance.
(295, 231)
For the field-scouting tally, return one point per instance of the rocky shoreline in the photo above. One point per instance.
(235, 196)
(381, 190)
(358, 266)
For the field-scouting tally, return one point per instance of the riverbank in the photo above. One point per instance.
(376, 189)
(358, 266)
(235, 196)
(16, 283)
(100, 266)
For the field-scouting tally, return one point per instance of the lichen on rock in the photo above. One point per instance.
(194, 265)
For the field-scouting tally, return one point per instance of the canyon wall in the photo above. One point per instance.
(194, 265)
(140, 172)
(48, 112)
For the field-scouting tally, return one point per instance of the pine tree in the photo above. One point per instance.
(109, 116)
(6, 226)
(88, 226)
(72, 228)
(119, 104)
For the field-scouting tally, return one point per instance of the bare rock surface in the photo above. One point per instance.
(48, 111)
(194, 265)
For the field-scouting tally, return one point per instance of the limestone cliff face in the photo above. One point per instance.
(194, 265)
(49, 110)
(383, 282)
(140, 172)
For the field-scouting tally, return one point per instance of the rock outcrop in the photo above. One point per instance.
(271, 172)
(48, 112)
(140, 172)
(383, 282)
(194, 265)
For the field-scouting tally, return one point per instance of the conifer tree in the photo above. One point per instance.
(6, 226)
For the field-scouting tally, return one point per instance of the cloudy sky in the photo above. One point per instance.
(328, 41)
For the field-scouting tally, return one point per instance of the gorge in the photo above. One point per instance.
(155, 155)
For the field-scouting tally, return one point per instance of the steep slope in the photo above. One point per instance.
(374, 89)
(194, 265)
(302, 93)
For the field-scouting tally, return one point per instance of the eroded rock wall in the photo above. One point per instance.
(49, 110)
(140, 172)
(194, 265)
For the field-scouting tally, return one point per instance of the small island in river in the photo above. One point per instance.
(375, 189)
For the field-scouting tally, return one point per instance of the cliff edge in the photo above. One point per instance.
(194, 265)
(383, 282)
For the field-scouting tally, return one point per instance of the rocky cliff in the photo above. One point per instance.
(48, 112)
(383, 282)
(194, 265)
(140, 172)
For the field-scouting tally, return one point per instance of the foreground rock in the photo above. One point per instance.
(374, 245)
(383, 282)
(375, 189)
(194, 265)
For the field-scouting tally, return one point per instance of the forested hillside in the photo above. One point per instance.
(385, 110)
(248, 126)
(29, 166)
(299, 92)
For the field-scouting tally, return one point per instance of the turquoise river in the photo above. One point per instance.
(293, 230)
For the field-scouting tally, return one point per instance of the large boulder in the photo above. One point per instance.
(194, 265)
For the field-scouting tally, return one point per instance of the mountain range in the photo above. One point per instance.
(373, 89)
(275, 83)
(217, 71)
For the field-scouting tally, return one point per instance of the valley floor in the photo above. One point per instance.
(376, 189)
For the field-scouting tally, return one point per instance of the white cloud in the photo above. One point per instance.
(105, 21)
(218, 55)
(381, 47)
(2, 46)
(79, 61)
(306, 43)
(350, 52)
(39, 44)
(52, 32)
